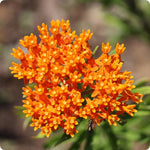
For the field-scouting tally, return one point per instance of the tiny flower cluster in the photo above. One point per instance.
(57, 65)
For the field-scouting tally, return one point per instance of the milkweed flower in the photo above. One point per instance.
(62, 67)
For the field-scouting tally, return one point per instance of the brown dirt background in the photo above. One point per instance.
(19, 18)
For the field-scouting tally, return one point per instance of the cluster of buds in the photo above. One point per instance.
(62, 68)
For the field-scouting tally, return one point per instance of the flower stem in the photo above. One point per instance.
(96, 48)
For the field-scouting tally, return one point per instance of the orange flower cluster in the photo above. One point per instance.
(62, 67)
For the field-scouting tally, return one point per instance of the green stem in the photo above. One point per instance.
(96, 48)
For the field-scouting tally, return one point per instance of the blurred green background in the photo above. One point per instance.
(123, 21)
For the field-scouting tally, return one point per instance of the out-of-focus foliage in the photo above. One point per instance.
(131, 17)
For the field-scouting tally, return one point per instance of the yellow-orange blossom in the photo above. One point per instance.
(57, 65)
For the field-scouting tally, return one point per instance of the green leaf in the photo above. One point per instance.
(145, 130)
(32, 85)
(132, 136)
(142, 113)
(89, 140)
(80, 138)
(19, 111)
(57, 139)
(94, 51)
(141, 83)
(63, 138)
(27, 121)
(142, 90)
(24, 96)
(110, 133)
(53, 140)
(39, 135)
(147, 100)
(112, 52)
(144, 107)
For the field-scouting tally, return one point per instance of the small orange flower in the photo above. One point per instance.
(62, 68)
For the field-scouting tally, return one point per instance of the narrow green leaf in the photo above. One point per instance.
(89, 140)
(27, 121)
(94, 51)
(112, 52)
(24, 96)
(141, 83)
(19, 111)
(144, 107)
(80, 138)
(56, 140)
(145, 130)
(39, 135)
(32, 85)
(142, 113)
(53, 140)
(143, 90)
(110, 133)
(63, 138)
(132, 136)
(147, 100)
